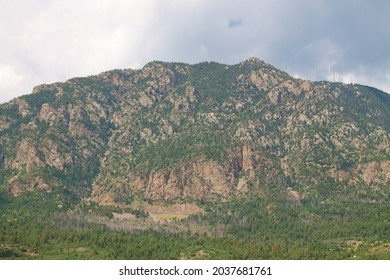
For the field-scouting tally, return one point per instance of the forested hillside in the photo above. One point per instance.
(195, 161)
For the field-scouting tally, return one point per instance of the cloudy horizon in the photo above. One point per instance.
(48, 41)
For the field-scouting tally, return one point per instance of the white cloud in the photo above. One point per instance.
(362, 77)
(10, 81)
(8, 77)
(52, 40)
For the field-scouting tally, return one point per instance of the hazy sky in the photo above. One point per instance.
(45, 41)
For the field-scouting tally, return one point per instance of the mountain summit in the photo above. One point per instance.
(206, 132)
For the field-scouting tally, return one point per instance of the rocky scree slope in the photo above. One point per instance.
(208, 132)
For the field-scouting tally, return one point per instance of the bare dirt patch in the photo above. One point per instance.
(174, 212)
(185, 209)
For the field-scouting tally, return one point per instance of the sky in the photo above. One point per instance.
(45, 41)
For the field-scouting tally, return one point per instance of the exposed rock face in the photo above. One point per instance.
(293, 195)
(198, 179)
(375, 172)
(17, 186)
(208, 131)
(24, 109)
(47, 114)
(26, 156)
(53, 156)
(3, 124)
(43, 186)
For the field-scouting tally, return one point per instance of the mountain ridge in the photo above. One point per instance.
(208, 131)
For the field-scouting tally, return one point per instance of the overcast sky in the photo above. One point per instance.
(45, 41)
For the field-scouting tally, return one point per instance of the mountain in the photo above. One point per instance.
(206, 131)
(196, 136)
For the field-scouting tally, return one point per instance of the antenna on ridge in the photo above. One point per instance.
(332, 74)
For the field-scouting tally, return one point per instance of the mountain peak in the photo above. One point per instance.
(254, 59)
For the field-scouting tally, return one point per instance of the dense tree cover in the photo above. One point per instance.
(240, 229)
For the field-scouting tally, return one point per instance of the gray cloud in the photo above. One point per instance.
(51, 40)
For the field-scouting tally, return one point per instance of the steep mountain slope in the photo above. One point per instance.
(205, 132)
